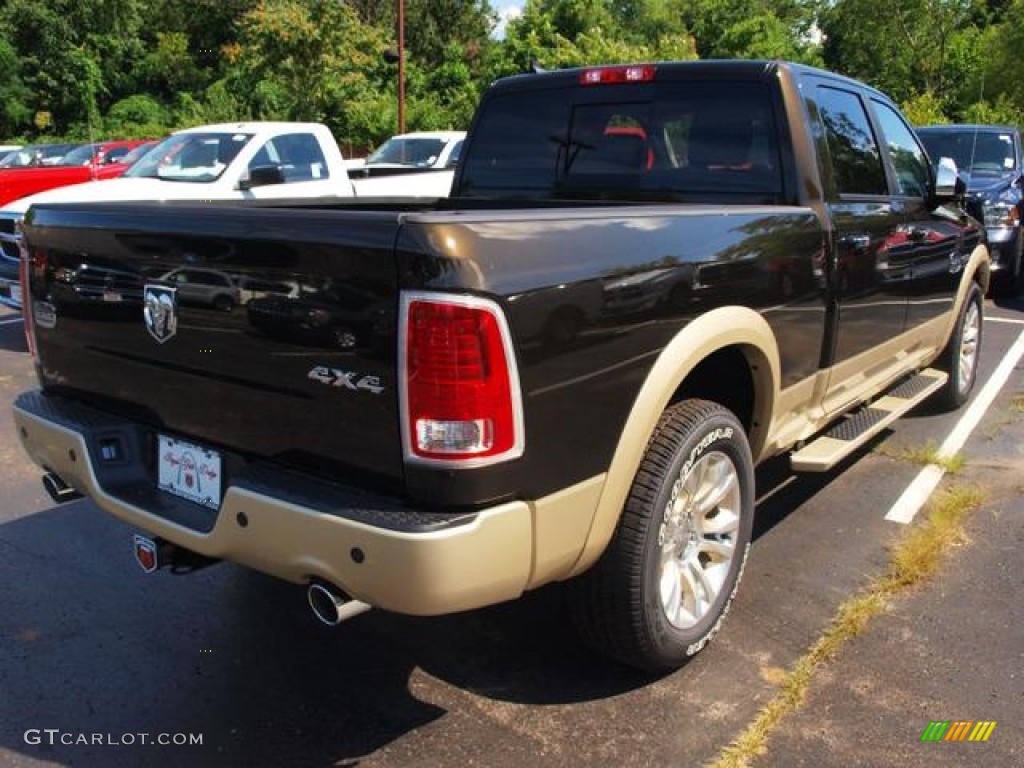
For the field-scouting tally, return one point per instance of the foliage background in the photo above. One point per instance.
(141, 68)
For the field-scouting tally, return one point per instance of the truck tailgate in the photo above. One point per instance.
(267, 331)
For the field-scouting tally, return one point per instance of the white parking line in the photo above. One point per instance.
(10, 321)
(927, 480)
(1007, 320)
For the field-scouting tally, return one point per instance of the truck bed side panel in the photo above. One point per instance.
(593, 296)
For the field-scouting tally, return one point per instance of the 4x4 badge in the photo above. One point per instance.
(160, 311)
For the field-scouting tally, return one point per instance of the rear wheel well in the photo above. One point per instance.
(725, 378)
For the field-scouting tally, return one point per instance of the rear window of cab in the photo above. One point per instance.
(664, 141)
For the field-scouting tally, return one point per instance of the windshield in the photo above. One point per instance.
(81, 156)
(981, 152)
(136, 153)
(405, 151)
(195, 157)
(35, 154)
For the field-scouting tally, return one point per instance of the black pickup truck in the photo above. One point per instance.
(648, 279)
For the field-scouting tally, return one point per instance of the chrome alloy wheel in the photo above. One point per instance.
(968, 347)
(698, 537)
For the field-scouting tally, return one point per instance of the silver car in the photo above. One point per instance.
(209, 287)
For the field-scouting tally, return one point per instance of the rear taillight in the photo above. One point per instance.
(461, 402)
(26, 293)
(637, 73)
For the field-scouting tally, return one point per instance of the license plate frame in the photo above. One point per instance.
(189, 471)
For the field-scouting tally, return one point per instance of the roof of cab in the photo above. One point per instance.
(705, 69)
(253, 126)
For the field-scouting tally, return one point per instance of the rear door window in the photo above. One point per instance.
(856, 160)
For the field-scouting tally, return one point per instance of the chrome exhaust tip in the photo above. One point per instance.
(59, 490)
(332, 606)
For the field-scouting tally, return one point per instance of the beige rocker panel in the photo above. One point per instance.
(718, 329)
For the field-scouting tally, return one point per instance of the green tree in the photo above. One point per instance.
(755, 28)
(42, 40)
(572, 33)
(108, 36)
(1003, 77)
(138, 117)
(1001, 111)
(443, 97)
(439, 32)
(447, 44)
(75, 56)
(170, 66)
(925, 109)
(904, 48)
(210, 26)
(312, 60)
(16, 112)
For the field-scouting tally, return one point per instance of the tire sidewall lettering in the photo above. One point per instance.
(694, 648)
(712, 439)
(719, 433)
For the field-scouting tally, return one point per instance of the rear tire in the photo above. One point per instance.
(960, 357)
(659, 592)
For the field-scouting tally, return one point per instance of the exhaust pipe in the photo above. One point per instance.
(332, 606)
(59, 490)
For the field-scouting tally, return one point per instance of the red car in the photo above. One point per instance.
(102, 160)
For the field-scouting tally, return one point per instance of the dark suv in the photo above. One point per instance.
(990, 158)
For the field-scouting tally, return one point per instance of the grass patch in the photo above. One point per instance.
(1017, 402)
(924, 455)
(920, 552)
(914, 558)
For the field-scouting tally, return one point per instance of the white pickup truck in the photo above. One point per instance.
(424, 149)
(228, 161)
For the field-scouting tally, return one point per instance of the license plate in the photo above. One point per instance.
(111, 296)
(189, 471)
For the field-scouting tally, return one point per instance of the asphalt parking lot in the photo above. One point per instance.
(91, 645)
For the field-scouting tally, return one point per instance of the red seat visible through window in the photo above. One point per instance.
(635, 136)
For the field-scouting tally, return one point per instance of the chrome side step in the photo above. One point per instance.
(854, 429)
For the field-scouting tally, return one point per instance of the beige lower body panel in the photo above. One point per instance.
(856, 380)
(505, 550)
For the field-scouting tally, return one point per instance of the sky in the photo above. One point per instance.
(507, 9)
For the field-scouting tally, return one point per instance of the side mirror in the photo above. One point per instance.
(262, 176)
(948, 184)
